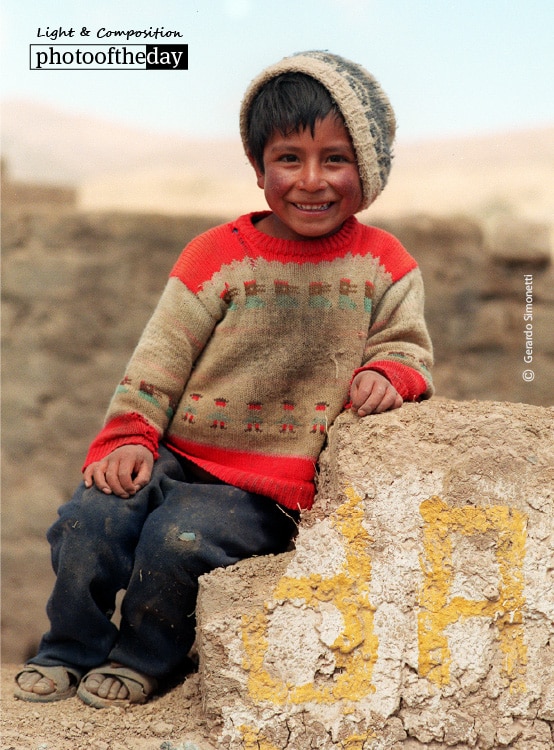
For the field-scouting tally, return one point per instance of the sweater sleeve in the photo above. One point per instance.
(398, 344)
(146, 398)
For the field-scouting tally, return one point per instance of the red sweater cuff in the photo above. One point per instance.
(409, 383)
(129, 429)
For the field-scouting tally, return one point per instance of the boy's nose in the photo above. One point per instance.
(312, 178)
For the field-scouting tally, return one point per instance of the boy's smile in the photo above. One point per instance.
(311, 184)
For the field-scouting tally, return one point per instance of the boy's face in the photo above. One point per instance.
(311, 184)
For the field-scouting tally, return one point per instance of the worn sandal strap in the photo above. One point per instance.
(61, 676)
(140, 686)
(135, 682)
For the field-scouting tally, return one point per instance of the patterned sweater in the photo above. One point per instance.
(249, 355)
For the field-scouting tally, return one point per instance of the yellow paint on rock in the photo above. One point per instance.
(255, 740)
(355, 649)
(439, 609)
(356, 741)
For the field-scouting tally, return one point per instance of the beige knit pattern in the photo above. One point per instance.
(287, 344)
(249, 354)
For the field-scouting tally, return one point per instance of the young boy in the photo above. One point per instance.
(268, 326)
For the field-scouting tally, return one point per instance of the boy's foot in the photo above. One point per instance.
(34, 682)
(44, 684)
(115, 685)
(105, 686)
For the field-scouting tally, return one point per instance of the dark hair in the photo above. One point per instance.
(288, 103)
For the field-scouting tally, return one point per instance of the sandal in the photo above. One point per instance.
(65, 681)
(139, 685)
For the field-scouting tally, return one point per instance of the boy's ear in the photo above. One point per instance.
(259, 174)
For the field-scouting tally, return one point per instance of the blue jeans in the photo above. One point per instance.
(154, 545)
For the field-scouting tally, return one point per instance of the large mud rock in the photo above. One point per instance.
(417, 610)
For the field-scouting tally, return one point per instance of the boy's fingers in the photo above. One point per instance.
(389, 401)
(122, 472)
(360, 397)
(87, 476)
(374, 399)
(126, 475)
(98, 476)
(381, 400)
(142, 473)
(368, 390)
(142, 478)
(117, 479)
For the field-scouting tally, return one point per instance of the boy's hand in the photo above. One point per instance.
(372, 393)
(124, 471)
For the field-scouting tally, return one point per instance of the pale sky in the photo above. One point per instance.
(450, 67)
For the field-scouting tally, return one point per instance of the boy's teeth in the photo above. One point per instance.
(312, 207)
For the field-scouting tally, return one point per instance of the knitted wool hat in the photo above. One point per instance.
(365, 107)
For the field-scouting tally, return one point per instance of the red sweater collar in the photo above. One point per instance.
(306, 249)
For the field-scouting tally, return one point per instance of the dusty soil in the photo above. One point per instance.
(172, 721)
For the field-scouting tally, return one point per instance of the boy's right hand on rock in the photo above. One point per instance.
(123, 472)
(372, 393)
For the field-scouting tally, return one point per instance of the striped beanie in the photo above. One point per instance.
(365, 107)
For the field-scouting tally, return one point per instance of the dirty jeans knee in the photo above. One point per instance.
(92, 545)
(197, 529)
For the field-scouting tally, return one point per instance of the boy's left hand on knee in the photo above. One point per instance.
(122, 472)
(372, 393)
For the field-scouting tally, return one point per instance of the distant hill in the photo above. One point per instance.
(44, 144)
(115, 166)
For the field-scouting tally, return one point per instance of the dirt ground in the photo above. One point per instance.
(171, 721)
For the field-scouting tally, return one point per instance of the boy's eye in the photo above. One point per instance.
(337, 158)
(288, 158)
